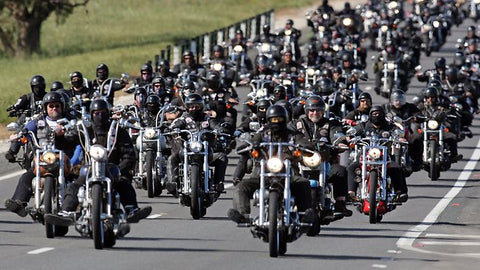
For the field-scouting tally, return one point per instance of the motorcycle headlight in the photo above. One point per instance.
(390, 66)
(427, 27)
(274, 165)
(476, 2)
(369, 14)
(325, 16)
(336, 47)
(432, 124)
(310, 72)
(321, 28)
(436, 24)
(98, 152)
(266, 47)
(238, 48)
(453, 99)
(260, 93)
(347, 22)
(458, 106)
(217, 66)
(287, 82)
(393, 5)
(288, 32)
(149, 133)
(312, 161)
(49, 157)
(374, 153)
(196, 147)
(384, 28)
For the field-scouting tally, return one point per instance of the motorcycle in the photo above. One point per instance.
(320, 23)
(474, 10)
(197, 189)
(50, 166)
(278, 220)
(376, 194)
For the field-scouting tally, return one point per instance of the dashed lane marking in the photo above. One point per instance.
(40, 250)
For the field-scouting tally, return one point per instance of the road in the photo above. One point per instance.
(438, 228)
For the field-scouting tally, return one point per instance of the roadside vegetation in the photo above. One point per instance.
(123, 34)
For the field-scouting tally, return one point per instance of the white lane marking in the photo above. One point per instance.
(40, 250)
(10, 175)
(154, 216)
(444, 243)
(457, 236)
(394, 251)
(379, 266)
(228, 186)
(407, 240)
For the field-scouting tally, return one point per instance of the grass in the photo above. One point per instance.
(123, 34)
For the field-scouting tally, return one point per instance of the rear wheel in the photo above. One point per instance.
(372, 197)
(195, 195)
(48, 201)
(97, 224)
(273, 232)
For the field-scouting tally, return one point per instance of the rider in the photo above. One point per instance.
(56, 85)
(295, 33)
(318, 129)
(43, 127)
(79, 90)
(102, 73)
(195, 119)
(122, 155)
(276, 131)
(378, 124)
(30, 101)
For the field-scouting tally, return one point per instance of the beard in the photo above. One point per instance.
(315, 118)
(55, 115)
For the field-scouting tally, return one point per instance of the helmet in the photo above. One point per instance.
(327, 73)
(218, 48)
(398, 95)
(451, 73)
(189, 85)
(37, 84)
(238, 32)
(365, 95)
(262, 60)
(276, 114)
(76, 78)
(99, 104)
(164, 63)
(325, 86)
(288, 107)
(188, 53)
(194, 99)
(377, 108)
(56, 85)
(153, 104)
(266, 28)
(264, 103)
(105, 74)
(346, 57)
(159, 80)
(53, 97)
(440, 62)
(279, 92)
(471, 28)
(213, 79)
(431, 92)
(314, 102)
(289, 21)
(140, 95)
(435, 83)
(146, 67)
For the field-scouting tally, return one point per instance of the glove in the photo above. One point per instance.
(10, 157)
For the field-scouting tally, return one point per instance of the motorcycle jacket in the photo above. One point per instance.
(78, 94)
(29, 102)
(406, 111)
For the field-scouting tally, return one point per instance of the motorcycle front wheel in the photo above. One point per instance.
(48, 201)
(150, 168)
(96, 221)
(195, 195)
(372, 197)
(274, 237)
(434, 171)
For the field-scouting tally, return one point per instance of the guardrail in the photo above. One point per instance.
(202, 45)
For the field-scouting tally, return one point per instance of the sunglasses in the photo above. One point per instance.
(99, 113)
(314, 110)
(53, 106)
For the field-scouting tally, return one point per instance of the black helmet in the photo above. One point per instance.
(104, 75)
(53, 97)
(325, 86)
(140, 91)
(76, 74)
(288, 107)
(146, 67)
(314, 102)
(346, 57)
(190, 85)
(289, 21)
(471, 28)
(37, 84)
(276, 113)
(431, 92)
(327, 73)
(140, 95)
(440, 62)
(279, 92)
(266, 28)
(398, 95)
(435, 83)
(365, 95)
(153, 104)
(188, 53)
(194, 99)
(264, 103)
(377, 108)
(56, 85)
(262, 60)
(213, 79)
(164, 63)
(238, 32)
(218, 48)
(99, 104)
(159, 80)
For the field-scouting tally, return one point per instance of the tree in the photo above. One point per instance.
(21, 22)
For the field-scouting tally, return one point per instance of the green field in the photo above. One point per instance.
(122, 34)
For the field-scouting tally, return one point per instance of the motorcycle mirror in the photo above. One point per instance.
(13, 127)
(418, 68)
(125, 77)
(254, 126)
(397, 119)
(364, 118)
(351, 131)
(62, 121)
